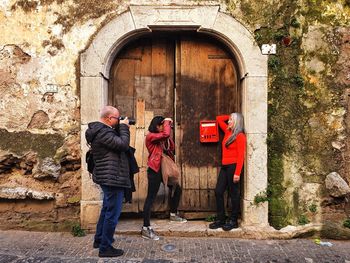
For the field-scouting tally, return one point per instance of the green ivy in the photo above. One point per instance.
(303, 220)
(77, 231)
(298, 80)
(295, 23)
(313, 208)
(210, 218)
(261, 198)
(274, 63)
(346, 223)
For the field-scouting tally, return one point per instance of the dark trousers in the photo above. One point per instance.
(154, 181)
(110, 212)
(225, 181)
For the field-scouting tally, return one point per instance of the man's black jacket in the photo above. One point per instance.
(109, 150)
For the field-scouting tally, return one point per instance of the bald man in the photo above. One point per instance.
(109, 139)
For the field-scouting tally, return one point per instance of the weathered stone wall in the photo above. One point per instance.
(308, 105)
(308, 122)
(39, 117)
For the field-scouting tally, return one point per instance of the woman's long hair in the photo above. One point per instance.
(238, 127)
(157, 120)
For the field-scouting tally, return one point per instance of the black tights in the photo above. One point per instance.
(225, 180)
(154, 181)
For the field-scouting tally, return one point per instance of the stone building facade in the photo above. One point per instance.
(55, 65)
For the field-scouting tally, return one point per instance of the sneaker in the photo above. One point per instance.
(148, 233)
(110, 252)
(230, 225)
(176, 218)
(216, 224)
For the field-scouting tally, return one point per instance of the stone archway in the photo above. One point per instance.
(97, 60)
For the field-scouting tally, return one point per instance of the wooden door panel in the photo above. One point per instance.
(203, 177)
(142, 86)
(190, 198)
(158, 77)
(192, 181)
(125, 98)
(207, 87)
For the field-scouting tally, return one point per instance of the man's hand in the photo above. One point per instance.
(125, 121)
(236, 178)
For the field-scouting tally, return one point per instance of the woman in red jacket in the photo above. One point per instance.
(233, 153)
(158, 141)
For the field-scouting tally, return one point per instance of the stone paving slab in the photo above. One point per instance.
(27, 247)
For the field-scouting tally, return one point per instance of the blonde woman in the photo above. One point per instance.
(233, 153)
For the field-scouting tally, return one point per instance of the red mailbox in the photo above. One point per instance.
(208, 131)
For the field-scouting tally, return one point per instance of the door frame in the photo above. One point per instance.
(96, 60)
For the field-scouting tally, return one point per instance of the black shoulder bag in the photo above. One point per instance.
(89, 157)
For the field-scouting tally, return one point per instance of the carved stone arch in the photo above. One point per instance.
(252, 65)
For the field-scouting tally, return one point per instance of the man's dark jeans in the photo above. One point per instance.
(110, 212)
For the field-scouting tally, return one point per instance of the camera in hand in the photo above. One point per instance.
(131, 120)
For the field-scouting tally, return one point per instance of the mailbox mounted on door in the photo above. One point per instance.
(208, 131)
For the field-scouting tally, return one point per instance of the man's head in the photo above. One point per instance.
(110, 116)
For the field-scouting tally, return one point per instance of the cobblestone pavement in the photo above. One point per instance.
(22, 246)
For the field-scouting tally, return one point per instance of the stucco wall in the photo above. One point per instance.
(40, 104)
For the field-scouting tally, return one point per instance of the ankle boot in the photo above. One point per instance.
(217, 224)
(230, 225)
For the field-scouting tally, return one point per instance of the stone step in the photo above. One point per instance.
(200, 228)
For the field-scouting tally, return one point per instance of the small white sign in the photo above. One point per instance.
(267, 49)
(51, 88)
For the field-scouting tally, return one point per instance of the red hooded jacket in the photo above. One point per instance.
(155, 143)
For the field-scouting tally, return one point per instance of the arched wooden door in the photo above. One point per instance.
(188, 78)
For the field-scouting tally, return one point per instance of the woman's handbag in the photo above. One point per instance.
(170, 171)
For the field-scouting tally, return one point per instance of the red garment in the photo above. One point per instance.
(154, 144)
(235, 152)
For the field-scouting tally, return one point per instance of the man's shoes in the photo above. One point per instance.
(176, 218)
(148, 233)
(216, 224)
(110, 252)
(230, 225)
(96, 244)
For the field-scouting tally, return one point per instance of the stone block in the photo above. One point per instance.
(94, 59)
(178, 16)
(84, 146)
(256, 166)
(336, 185)
(90, 212)
(90, 191)
(47, 169)
(255, 105)
(92, 98)
(255, 215)
(23, 193)
(91, 65)
(246, 48)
